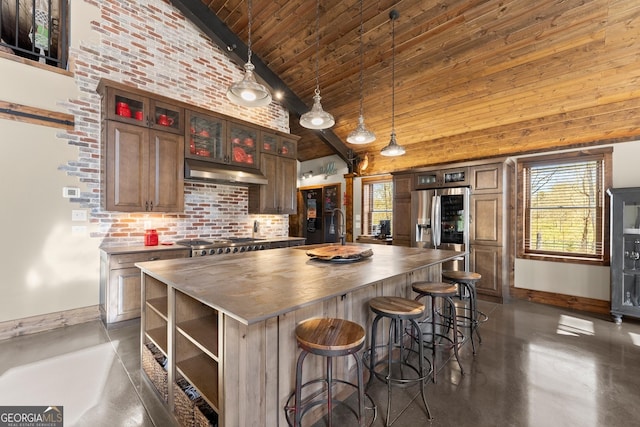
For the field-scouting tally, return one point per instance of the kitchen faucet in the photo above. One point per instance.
(332, 229)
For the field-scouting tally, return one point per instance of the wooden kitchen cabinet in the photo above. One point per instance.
(144, 169)
(142, 151)
(490, 251)
(401, 228)
(272, 143)
(279, 195)
(120, 281)
(139, 108)
(487, 178)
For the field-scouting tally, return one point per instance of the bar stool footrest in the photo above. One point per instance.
(313, 401)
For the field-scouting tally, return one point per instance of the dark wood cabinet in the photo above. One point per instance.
(278, 196)
(401, 229)
(144, 169)
(490, 251)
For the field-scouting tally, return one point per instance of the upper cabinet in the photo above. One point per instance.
(284, 146)
(142, 152)
(140, 110)
(278, 164)
(207, 136)
(215, 139)
(144, 169)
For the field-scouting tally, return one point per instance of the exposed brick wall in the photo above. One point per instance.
(149, 44)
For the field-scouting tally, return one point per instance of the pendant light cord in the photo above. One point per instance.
(361, 60)
(317, 47)
(393, 71)
(249, 31)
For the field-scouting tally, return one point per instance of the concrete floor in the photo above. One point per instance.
(537, 366)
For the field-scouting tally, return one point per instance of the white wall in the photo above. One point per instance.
(577, 279)
(46, 266)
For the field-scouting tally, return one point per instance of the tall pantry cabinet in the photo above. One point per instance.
(489, 239)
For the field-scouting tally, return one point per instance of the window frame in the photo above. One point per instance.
(365, 182)
(604, 155)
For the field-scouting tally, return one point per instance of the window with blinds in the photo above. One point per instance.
(563, 210)
(377, 204)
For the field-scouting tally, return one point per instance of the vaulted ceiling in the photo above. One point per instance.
(473, 78)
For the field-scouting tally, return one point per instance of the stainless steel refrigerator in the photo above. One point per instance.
(440, 220)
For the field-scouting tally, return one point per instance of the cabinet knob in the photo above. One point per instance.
(154, 258)
(151, 205)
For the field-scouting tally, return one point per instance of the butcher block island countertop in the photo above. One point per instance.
(226, 323)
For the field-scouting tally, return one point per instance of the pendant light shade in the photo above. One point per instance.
(248, 92)
(317, 118)
(361, 135)
(393, 149)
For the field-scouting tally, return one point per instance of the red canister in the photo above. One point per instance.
(150, 238)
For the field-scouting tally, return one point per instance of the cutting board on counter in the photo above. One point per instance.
(340, 253)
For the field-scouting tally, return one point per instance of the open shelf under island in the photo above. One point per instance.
(228, 326)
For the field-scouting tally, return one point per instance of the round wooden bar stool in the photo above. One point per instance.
(466, 281)
(327, 337)
(446, 291)
(396, 369)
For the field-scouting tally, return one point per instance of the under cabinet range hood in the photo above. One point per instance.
(197, 170)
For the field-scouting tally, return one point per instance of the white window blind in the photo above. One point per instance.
(564, 207)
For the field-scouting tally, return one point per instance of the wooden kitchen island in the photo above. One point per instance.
(226, 323)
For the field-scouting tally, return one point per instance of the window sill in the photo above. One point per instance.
(31, 63)
(565, 259)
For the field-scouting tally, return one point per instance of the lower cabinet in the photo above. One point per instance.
(487, 261)
(181, 351)
(120, 281)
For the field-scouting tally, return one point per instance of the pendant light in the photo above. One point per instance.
(393, 149)
(361, 135)
(248, 92)
(317, 118)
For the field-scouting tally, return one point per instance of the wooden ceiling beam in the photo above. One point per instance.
(207, 21)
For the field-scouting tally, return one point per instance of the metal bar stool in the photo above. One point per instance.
(446, 291)
(398, 310)
(328, 337)
(466, 281)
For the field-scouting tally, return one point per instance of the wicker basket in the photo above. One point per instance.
(156, 373)
(183, 406)
(203, 414)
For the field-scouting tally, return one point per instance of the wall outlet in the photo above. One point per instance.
(78, 215)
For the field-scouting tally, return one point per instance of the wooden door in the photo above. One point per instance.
(287, 188)
(166, 169)
(402, 186)
(127, 167)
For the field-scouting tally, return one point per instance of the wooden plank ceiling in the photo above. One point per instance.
(474, 78)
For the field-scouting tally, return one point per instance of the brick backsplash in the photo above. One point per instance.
(152, 46)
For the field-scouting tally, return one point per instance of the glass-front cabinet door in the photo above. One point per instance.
(277, 144)
(206, 137)
(625, 252)
(166, 117)
(243, 145)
